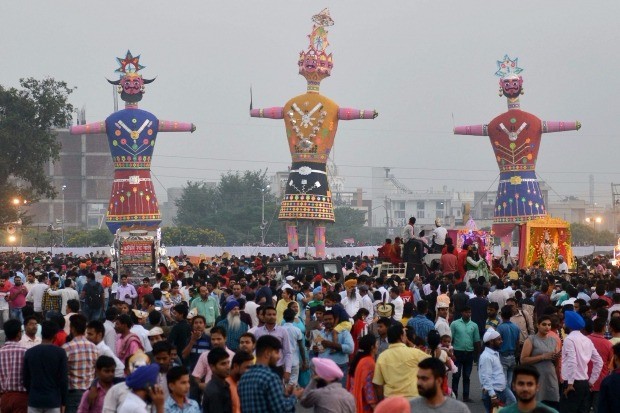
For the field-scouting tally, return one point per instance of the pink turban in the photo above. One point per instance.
(327, 369)
(395, 404)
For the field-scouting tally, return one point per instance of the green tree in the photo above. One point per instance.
(233, 207)
(349, 224)
(27, 118)
(583, 234)
(89, 238)
(191, 236)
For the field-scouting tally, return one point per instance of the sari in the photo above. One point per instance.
(360, 385)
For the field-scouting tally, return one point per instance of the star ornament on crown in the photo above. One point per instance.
(315, 64)
(508, 67)
(129, 64)
(131, 84)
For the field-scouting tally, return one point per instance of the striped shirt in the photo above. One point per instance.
(81, 359)
(12, 370)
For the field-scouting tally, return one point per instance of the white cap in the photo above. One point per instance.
(490, 335)
(290, 278)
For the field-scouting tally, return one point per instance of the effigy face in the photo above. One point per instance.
(308, 64)
(511, 86)
(132, 84)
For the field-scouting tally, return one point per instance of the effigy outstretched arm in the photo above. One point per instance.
(173, 126)
(549, 126)
(352, 114)
(276, 112)
(476, 130)
(88, 129)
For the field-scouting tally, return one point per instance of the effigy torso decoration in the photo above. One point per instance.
(311, 122)
(131, 135)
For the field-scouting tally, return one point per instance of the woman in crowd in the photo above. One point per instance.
(361, 372)
(542, 351)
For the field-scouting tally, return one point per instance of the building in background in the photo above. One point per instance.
(85, 171)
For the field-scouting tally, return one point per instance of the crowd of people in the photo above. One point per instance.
(232, 335)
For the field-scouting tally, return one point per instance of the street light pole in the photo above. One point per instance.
(594, 221)
(62, 239)
(263, 223)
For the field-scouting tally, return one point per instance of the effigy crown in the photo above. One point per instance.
(130, 84)
(315, 64)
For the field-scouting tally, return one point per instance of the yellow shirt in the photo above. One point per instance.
(280, 307)
(397, 369)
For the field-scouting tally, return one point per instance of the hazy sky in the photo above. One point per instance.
(418, 63)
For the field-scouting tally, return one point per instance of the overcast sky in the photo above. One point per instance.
(418, 63)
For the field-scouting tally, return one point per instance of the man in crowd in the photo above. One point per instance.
(126, 292)
(35, 295)
(491, 373)
(577, 352)
(338, 351)
(217, 397)
(17, 299)
(93, 298)
(233, 325)
(239, 365)
(203, 369)
(605, 350)
(609, 402)
(14, 397)
(396, 368)
(45, 373)
(181, 331)
(431, 374)
(178, 386)
(95, 332)
(466, 343)
(30, 338)
(127, 343)
(441, 325)
(525, 383)
(104, 373)
(81, 360)
(420, 324)
(260, 388)
(207, 307)
(270, 328)
(143, 388)
(66, 294)
(199, 341)
(510, 342)
(325, 391)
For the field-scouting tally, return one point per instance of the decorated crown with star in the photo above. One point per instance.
(128, 64)
(508, 67)
(315, 63)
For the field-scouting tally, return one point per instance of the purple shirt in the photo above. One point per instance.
(121, 291)
(281, 334)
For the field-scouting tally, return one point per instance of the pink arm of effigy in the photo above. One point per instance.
(352, 114)
(173, 126)
(476, 130)
(90, 128)
(276, 112)
(549, 126)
